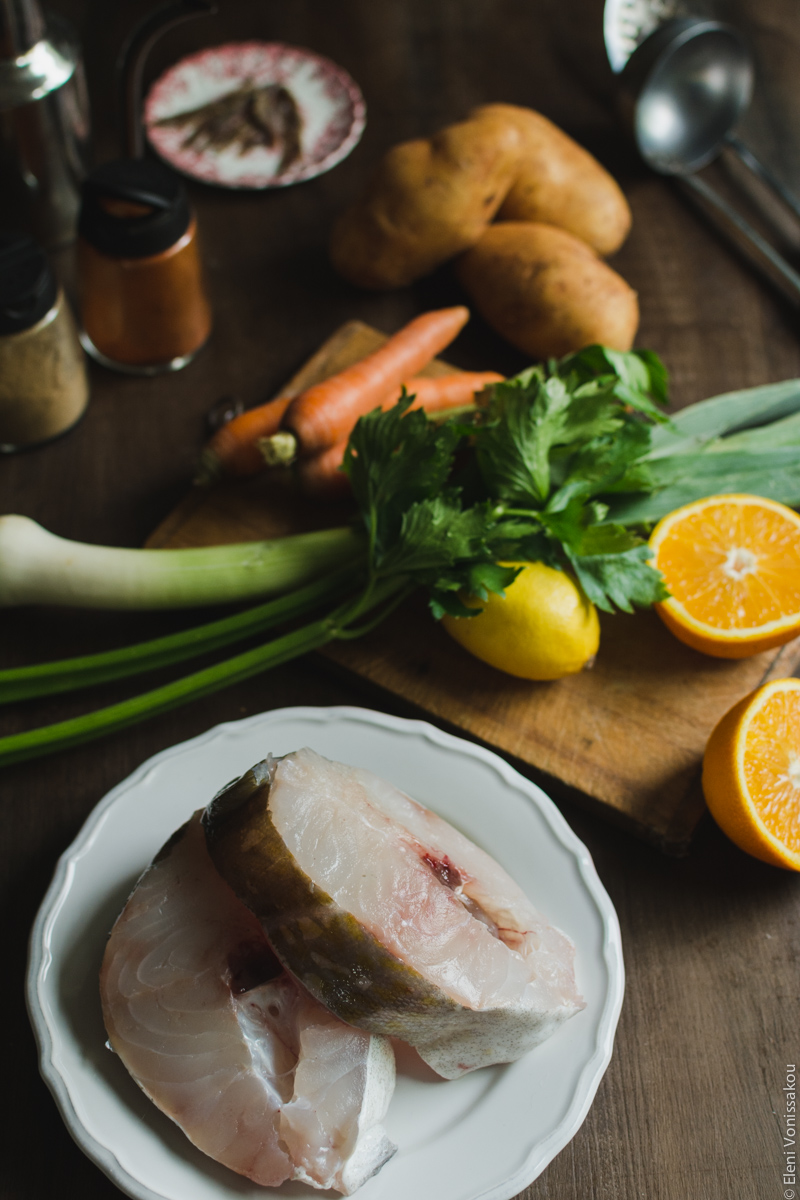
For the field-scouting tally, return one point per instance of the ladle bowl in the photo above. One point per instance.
(684, 90)
(693, 81)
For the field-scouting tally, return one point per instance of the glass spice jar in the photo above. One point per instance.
(44, 388)
(143, 304)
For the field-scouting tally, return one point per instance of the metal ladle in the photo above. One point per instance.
(687, 86)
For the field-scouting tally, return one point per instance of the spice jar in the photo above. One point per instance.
(143, 304)
(43, 383)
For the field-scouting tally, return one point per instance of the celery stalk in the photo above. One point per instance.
(70, 674)
(48, 739)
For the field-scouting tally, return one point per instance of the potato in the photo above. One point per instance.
(560, 183)
(546, 291)
(429, 200)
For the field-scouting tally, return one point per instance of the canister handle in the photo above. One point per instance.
(132, 59)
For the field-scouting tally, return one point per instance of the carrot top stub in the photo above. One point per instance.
(325, 413)
(233, 450)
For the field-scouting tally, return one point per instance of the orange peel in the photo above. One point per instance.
(732, 566)
(751, 773)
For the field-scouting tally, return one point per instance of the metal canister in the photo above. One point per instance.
(44, 123)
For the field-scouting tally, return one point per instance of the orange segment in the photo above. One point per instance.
(732, 565)
(751, 773)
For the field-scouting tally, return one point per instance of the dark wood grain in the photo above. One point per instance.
(690, 1106)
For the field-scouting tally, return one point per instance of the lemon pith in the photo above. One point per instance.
(544, 627)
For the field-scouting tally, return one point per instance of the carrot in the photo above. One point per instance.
(438, 392)
(233, 450)
(326, 412)
(320, 474)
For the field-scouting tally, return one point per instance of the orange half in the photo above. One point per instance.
(751, 773)
(732, 566)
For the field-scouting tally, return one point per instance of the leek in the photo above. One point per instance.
(37, 567)
(743, 441)
(684, 478)
(785, 432)
(699, 423)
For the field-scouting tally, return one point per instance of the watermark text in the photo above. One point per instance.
(790, 1133)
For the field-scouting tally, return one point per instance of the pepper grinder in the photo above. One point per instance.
(44, 123)
(43, 383)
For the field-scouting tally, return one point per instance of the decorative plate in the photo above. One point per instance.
(327, 106)
(485, 1136)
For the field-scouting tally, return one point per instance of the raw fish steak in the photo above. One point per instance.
(397, 922)
(254, 1070)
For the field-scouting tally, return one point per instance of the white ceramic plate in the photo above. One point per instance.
(331, 107)
(486, 1135)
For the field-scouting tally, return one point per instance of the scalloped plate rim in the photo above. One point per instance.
(543, 1150)
(313, 168)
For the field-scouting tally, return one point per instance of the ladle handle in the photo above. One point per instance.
(746, 237)
(757, 168)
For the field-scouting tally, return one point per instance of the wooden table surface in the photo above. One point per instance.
(692, 1104)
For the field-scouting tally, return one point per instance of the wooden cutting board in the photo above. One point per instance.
(626, 738)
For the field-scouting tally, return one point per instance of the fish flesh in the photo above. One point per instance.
(391, 917)
(257, 1073)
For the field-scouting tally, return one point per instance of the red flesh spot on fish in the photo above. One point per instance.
(444, 870)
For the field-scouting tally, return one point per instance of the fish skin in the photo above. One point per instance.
(409, 976)
(233, 1070)
(340, 962)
